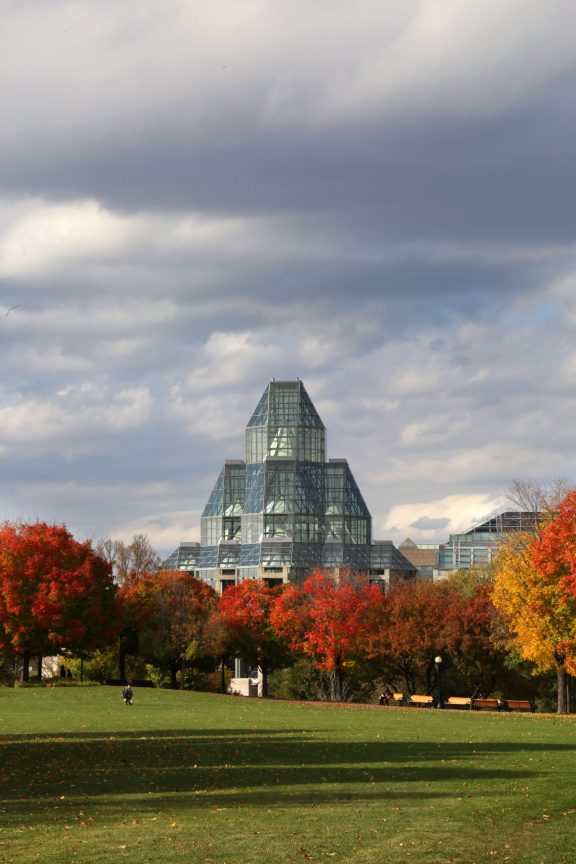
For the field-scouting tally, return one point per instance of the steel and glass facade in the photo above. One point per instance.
(479, 545)
(473, 548)
(285, 509)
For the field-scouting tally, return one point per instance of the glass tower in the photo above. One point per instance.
(285, 509)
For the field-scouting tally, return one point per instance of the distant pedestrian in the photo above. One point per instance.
(385, 696)
(127, 694)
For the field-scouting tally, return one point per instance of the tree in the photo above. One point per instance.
(530, 591)
(129, 560)
(531, 497)
(246, 609)
(56, 593)
(166, 615)
(219, 641)
(555, 551)
(181, 609)
(406, 631)
(471, 627)
(326, 620)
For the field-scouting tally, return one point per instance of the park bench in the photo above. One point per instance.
(392, 699)
(459, 702)
(491, 704)
(421, 701)
(519, 705)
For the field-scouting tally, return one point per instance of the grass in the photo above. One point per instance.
(193, 777)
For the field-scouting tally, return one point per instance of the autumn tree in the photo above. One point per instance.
(166, 615)
(246, 609)
(56, 593)
(530, 591)
(326, 619)
(555, 551)
(219, 642)
(471, 627)
(406, 631)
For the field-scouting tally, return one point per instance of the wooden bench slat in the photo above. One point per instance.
(489, 704)
(421, 701)
(459, 702)
(519, 705)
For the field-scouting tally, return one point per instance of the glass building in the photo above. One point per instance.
(473, 548)
(479, 544)
(286, 509)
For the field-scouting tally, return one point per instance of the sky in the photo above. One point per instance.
(377, 198)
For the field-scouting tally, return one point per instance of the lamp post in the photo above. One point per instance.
(438, 664)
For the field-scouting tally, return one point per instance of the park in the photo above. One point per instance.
(186, 776)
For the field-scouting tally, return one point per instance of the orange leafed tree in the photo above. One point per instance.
(406, 630)
(555, 552)
(471, 625)
(326, 620)
(530, 592)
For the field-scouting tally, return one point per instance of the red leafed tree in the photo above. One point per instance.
(327, 620)
(56, 593)
(554, 553)
(471, 627)
(551, 596)
(246, 610)
(406, 630)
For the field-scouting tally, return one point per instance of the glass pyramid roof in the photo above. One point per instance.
(286, 403)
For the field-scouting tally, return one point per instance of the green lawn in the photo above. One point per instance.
(193, 777)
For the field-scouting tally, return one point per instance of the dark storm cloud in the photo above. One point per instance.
(378, 198)
(465, 178)
(202, 140)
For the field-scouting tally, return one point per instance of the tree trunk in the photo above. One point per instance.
(222, 676)
(409, 678)
(173, 676)
(182, 674)
(39, 669)
(339, 684)
(563, 691)
(25, 668)
(122, 660)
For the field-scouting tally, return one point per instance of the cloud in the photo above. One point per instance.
(388, 218)
(452, 514)
(415, 69)
(48, 236)
(218, 417)
(77, 415)
(164, 530)
(228, 359)
(425, 523)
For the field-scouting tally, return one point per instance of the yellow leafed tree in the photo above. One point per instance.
(541, 616)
